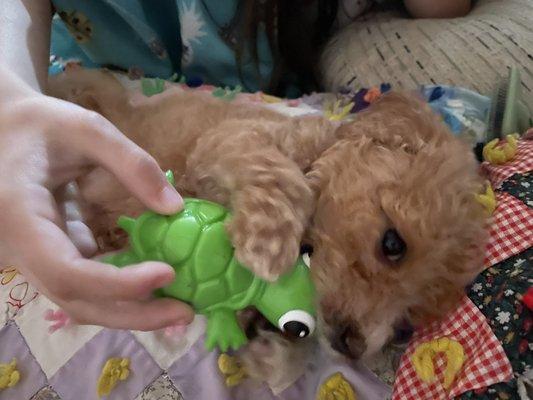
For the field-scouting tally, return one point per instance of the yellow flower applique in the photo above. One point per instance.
(115, 370)
(501, 154)
(425, 354)
(336, 387)
(487, 200)
(9, 375)
(233, 371)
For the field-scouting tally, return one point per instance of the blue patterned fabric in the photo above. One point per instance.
(188, 37)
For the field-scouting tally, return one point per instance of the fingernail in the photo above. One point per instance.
(171, 198)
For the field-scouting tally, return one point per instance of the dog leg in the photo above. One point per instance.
(267, 192)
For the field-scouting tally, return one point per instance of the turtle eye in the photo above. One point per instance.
(393, 246)
(297, 324)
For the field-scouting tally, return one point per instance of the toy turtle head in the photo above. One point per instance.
(289, 303)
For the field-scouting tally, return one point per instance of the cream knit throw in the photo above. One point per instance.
(474, 52)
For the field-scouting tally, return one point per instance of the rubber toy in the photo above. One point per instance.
(209, 277)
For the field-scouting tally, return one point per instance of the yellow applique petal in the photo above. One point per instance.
(114, 370)
(488, 200)
(334, 112)
(124, 374)
(14, 378)
(9, 375)
(227, 364)
(501, 154)
(233, 372)
(336, 387)
(104, 386)
(235, 379)
(425, 354)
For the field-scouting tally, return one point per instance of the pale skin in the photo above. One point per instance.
(46, 143)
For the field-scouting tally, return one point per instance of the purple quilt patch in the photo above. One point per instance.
(78, 378)
(32, 378)
(365, 384)
(197, 377)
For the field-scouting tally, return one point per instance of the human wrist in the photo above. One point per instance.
(12, 87)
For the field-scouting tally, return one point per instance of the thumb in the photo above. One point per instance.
(103, 143)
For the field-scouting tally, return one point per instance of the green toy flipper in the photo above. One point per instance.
(126, 223)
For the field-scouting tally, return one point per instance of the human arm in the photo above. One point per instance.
(46, 143)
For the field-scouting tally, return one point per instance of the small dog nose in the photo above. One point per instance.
(402, 334)
(348, 341)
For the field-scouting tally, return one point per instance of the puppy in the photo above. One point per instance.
(386, 201)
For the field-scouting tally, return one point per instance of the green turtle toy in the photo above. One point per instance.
(209, 277)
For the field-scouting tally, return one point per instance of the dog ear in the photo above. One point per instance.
(330, 161)
(397, 120)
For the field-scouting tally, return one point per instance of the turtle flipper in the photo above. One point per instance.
(224, 331)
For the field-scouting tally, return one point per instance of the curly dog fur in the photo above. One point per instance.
(336, 187)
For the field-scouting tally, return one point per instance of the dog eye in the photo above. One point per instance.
(306, 249)
(393, 246)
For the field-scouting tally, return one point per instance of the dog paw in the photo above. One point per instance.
(266, 234)
(272, 359)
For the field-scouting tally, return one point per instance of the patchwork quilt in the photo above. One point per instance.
(482, 350)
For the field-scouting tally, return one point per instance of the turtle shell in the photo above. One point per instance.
(195, 243)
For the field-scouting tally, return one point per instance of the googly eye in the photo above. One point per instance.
(297, 323)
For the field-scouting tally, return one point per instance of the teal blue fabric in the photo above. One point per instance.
(157, 38)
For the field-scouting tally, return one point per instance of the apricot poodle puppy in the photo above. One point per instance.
(386, 201)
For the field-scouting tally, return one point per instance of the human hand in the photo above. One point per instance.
(44, 144)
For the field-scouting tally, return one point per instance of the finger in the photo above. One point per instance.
(103, 143)
(82, 237)
(133, 282)
(68, 208)
(69, 277)
(143, 316)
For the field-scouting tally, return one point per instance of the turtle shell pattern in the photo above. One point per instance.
(195, 243)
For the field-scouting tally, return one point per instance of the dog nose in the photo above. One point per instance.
(348, 341)
(403, 334)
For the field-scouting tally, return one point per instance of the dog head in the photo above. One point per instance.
(397, 231)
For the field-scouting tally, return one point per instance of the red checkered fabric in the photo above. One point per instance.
(522, 162)
(511, 230)
(485, 360)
